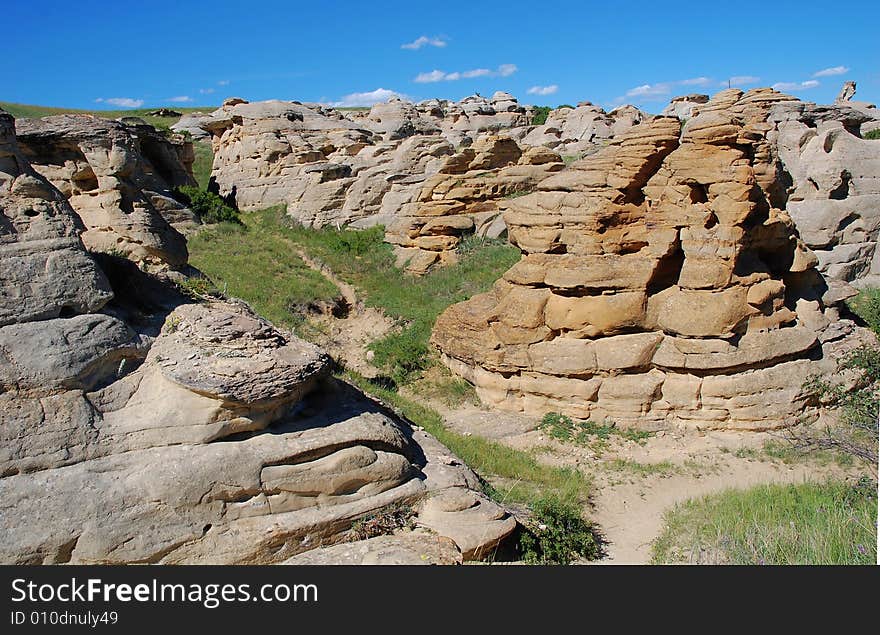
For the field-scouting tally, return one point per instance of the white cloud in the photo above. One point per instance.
(696, 81)
(206, 91)
(433, 76)
(830, 72)
(505, 70)
(543, 90)
(424, 40)
(795, 86)
(650, 90)
(741, 80)
(661, 90)
(181, 99)
(367, 99)
(223, 82)
(477, 72)
(122, 102)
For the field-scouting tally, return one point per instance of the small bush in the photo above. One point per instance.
(384, 522)
(564, 106)
(563, 428)
(541, 113)
(210, 207)
(873, 134)
(557, 534)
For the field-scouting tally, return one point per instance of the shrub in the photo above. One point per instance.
(541, 113)
(858, 405)
(557, 534)
(564, 106)
(210, 207)
(873, 134)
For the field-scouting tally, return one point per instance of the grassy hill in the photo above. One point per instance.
(29, 111)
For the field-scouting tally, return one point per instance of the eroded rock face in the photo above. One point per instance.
(45, 270)
(215, 438)
(582, 130)
(662, 283)
(466, 196)
(119, 179)
(329, 167)
(835, 186)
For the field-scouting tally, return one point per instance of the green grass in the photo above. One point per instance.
(516, 476)
(663, 468)
(873, 134)
(831, 523)
(587, 433)
(259, 264)
(440, 385)
(867, 306)
(363, 259)
(202, 165)
(255, 263)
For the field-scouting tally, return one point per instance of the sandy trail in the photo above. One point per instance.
(634, 484)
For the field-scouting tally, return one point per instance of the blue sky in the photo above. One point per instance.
(100, 54)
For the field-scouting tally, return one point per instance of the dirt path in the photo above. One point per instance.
(634, 484)
(346, 338)
(348, 292)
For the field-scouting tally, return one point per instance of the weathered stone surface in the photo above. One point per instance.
(475, 523)
(44, 270)
(663, 280)
(467, 195)
(582, 130)
(412, 548)
(835, 194)
(257, 463)
(119, 179)
(165, 431)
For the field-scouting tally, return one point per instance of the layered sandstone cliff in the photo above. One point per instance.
(663, 282)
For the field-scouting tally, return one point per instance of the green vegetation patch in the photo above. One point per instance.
(256, 264)
(810, 523)
(873, 134)
(566, 429)
(203, 163)
(557, 534)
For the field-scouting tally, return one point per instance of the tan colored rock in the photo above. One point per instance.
(674, 285)
(119, 179)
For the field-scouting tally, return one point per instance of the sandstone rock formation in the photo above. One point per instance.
(119, 179)
(327, 167)
(137, 427)
(45, 270)
(683, 106)
(834, 194)
(582, 130)
(663, 282)
(466, 196)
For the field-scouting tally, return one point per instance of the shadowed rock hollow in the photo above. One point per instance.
(662, 282)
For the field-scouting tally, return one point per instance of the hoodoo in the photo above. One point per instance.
(662, 282)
